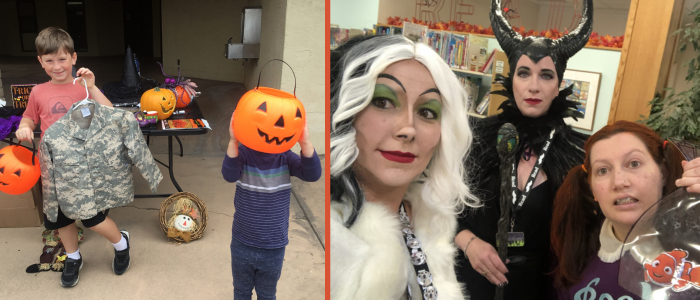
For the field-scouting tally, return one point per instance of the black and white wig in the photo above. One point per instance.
(354, 70)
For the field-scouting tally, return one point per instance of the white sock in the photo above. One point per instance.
(121, 245)
(75, 255)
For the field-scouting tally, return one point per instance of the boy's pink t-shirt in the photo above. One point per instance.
(48, 102)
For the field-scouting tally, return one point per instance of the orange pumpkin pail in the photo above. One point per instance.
(269, 120)
(19, 169)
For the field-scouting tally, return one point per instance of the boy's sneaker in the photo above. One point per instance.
(121, 258)
(71, 272)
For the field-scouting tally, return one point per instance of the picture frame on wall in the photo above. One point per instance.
(586, 87)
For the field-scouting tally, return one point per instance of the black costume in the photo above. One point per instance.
(529, 264)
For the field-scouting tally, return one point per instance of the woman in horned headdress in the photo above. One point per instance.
(547, 150)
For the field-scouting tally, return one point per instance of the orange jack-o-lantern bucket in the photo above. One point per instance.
(19, 169)
(269, 120)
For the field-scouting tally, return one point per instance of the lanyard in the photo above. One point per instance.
(518, 202)
(418, 259)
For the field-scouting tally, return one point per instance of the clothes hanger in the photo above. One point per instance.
(84, 101)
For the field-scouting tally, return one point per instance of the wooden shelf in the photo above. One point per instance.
(473, 114)
(471, 72)
(492, 36)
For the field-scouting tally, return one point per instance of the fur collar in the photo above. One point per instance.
(370, 261)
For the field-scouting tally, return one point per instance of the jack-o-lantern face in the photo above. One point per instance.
(269, 120)
(17, 174)
(160, 100)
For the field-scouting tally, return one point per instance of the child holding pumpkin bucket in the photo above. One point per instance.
(263, 186)
(48, 102)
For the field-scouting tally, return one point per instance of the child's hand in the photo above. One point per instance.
(304, 138)
(232, 150)
(24, 134)
(230, 131)
(85, 73)
(307, 149)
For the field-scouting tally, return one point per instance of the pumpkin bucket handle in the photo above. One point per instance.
(33, 152)
(20, 145)
(290, 67)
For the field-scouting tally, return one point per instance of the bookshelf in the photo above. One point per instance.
(471, 72)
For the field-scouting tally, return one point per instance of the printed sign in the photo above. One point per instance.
(20, 94)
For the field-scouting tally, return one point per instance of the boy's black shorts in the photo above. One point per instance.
(63, 221)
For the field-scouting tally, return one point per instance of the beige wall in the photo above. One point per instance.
(532, 15)
(304, 50)
(272, 38)
(294, 31)
(605, 21)
(407, 9)
(197, 36)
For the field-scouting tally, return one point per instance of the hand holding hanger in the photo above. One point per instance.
(87, 76)
(87, 94)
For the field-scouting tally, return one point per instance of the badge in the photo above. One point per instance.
(515, 239)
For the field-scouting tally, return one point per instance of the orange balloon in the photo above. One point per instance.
(183, 98)
(17, 174)
(269, 120)
(160, 100)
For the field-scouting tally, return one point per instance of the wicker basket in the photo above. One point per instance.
(200, 205)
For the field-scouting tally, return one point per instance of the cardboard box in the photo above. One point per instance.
(25, 210)
(500, 66)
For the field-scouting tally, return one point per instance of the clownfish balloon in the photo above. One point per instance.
(672, 269)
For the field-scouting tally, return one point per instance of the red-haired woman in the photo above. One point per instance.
(627, 168)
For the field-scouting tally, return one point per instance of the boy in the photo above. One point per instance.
(48, 102)
(261, 220)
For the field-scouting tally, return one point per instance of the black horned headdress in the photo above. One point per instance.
(535, 47)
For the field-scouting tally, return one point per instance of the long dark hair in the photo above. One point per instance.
(577, 216)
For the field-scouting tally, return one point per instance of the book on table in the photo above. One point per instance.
(185, 124)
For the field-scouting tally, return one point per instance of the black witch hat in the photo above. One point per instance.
(130, 88)
(130, 77)
(535, 47)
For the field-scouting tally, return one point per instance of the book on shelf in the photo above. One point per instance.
(457, 52)
(483, 106)
(434, 40)
(489, 62)
(415, 32)
(477, 52)
(339, 36)
(471, 85)
(444, 45)
(181, 124)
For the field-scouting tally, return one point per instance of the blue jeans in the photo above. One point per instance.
(255, 268)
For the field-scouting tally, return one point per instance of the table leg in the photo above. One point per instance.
(170, 163)
(179, 142)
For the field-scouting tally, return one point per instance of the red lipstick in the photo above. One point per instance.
(533, 101)
(398, 156)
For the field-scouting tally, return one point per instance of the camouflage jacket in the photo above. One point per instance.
(86, 159)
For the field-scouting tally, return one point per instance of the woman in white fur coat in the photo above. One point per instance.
(399, 133)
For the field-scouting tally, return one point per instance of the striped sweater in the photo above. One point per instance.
(263, 189)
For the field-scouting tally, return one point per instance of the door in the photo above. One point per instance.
(138, 26)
